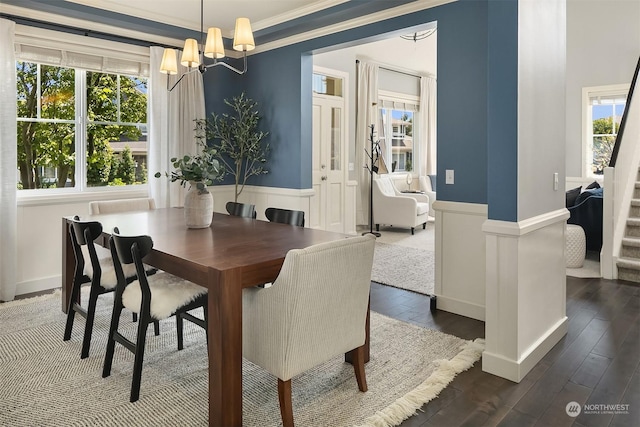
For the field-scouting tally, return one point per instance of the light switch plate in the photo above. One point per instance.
(449, 176)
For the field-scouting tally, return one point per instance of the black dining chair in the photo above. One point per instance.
(244, 210)
(93, 265)
(285, 216)
(154, 298)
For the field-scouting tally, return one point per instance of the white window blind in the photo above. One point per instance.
(73, 51)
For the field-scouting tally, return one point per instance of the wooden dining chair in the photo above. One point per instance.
(285, 216)
(316, 309)
(93, 265)
(154, 298)
(244, 210)
(124, 205)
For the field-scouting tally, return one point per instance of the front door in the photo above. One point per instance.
(328, 173)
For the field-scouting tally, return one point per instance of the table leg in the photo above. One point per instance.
(68, 266)
(349, 356)
(225, 348)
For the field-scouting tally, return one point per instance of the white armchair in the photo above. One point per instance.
(392, 207)
(426, 188)
(315, 310)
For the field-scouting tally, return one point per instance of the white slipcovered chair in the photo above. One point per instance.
(121, 205)
(426, 188)
(315, 310)
(391, 207)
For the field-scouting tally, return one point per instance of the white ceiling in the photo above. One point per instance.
(217, 13)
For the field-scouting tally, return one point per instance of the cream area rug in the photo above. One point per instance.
(404, 267)
(406, 261)
(45, 383)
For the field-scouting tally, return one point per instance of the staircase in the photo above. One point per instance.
(629, 261)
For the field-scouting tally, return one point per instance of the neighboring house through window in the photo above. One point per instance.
(603, 109)
(397, 127)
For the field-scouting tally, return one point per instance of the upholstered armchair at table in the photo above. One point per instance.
(315, 310)
(391, 207)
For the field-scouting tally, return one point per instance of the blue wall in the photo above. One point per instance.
(502, 114)
(280, 80)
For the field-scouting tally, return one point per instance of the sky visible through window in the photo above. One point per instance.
(605, 111)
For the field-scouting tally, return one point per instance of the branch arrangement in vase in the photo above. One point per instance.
(241, 147)
(203, 169)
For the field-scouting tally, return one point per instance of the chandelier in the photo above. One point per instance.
(193, 53)
(420, 35)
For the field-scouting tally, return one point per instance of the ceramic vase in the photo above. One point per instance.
(198, 207)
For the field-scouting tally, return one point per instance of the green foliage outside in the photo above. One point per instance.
(241, 147)
(604, 139)
(49, 144)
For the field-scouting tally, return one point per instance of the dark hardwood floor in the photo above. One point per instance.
(596, 363)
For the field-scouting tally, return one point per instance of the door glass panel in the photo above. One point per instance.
(336, 138)
(327, 85)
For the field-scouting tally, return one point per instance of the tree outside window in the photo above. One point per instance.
(604, 113)
(52, 127)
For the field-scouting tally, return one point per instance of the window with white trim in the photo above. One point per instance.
(397, 127)
(603, 106)
(73, 105)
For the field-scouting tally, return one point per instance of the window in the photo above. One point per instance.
(65, 114)
(327, 85)
(604, 107)
(396, 129)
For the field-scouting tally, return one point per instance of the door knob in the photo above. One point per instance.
(324, 178)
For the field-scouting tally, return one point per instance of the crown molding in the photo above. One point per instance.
(83, 24)
(372, 18)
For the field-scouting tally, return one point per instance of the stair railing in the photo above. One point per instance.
(619, 182)
(623, 122)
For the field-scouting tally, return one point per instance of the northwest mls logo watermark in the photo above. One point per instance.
(574, 409)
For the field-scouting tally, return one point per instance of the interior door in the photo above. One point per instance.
(328, 174)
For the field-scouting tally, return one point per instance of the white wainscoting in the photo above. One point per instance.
(262, 198)
(286, 198)
(460, 258)
(525, 293)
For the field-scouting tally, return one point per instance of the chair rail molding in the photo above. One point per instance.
(525, 292)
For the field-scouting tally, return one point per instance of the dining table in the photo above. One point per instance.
(231, 254)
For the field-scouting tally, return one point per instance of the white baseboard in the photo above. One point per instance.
(38, 285)
(515, 371)
(463, 308)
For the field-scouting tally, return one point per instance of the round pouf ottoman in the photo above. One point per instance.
(575, 246)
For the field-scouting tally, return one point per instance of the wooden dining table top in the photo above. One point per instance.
(230, 242)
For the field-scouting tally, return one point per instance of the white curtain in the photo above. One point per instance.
(171, 126)
(8, 163)
(427, 122)
(366, 115)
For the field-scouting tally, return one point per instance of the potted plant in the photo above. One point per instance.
(241, 147)
(199, 171)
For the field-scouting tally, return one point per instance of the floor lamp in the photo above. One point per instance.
(374, 156)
